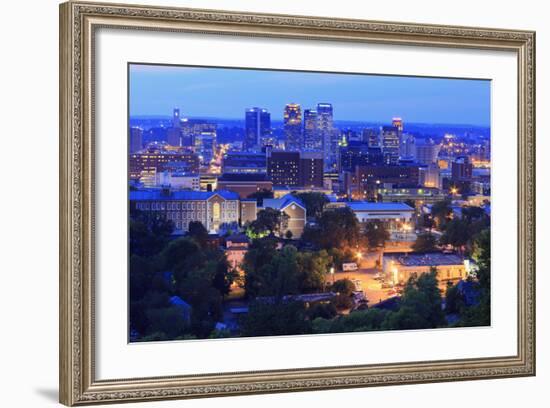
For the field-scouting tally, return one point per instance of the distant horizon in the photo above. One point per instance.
(225, 93)
(169, 117)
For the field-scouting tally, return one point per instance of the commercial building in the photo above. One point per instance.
(399, 267)
(295, 210)
(244, 184)
(430, 176)
(325, 128)
(177, 181)
(257, 128)
(191, 128)
(213, 209)
(295, 168)
(461, 169)
(244, 162)
(311, 169)
(151, 162)
(420, 196)
(392, 215)
(426, 151)
(236, 247)
(312, 137)
(292, 118)
(391, 143)
(136, 139)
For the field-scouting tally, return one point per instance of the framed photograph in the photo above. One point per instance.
(256, 203)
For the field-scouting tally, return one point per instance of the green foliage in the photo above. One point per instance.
(363, 320)
(272, 319)
(456, 233)
(337, 228)
(312, 270)
(314, 202)
(441, 212)
(149, 232)
(269, 221)
(454, 300)
(343, 286)
(420, 306)
(198, 232)
(376, 234)
(288, 234)
(341, 256)
(323, 310)
(425, 243)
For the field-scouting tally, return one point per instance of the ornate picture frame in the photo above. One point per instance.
(78, 24)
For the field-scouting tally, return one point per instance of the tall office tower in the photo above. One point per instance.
(205, 144)
(426, 151)
(407, 146)
(390, 144)
(398, 124)
(461, 169)
(371, 137)
(312, 139)
(176, 122)
(257, 128)
(283, 168)
(293, 127)
(325, 127)
(136, 139)
(173, 136)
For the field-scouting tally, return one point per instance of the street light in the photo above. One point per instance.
(332, 273)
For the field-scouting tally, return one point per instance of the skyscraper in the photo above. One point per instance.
(257, 127)
(325, 127)
(176, 123)
(390, 144)
(312, 139)
(136, 139)
(293, 127)
(283, 168)
(371, 137)
(426, 151)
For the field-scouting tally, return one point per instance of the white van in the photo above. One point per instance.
(349, 266)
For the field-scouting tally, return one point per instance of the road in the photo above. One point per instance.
(368, 284)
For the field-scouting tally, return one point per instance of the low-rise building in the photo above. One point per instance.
(244, 184)
(213, 209)
(236, 247)
(399, 267)
(294, 208)
(393, 215)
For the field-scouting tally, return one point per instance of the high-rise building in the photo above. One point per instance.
(397, 123)
(461, 169)
(311, 169)
(191, 128)
(408, 143)
(426, 151)
(283, 168)
(371, 137)
(257, 128)
(176, 121)
(430, 176)
(327, 134)
(205, 145)
(293, 127)
(312, 138)
(173, 136)
(390, 144)
(136, 139)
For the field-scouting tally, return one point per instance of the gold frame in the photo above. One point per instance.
(78, 22)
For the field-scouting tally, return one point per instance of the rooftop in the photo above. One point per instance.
(368, 206)
(152, 194)
(425, 259)
(243, 177)
(284, 201)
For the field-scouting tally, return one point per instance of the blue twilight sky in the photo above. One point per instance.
(226, 93)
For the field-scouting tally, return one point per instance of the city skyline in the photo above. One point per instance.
(227, 92)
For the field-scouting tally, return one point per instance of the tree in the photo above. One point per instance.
(288, 234)
(149, 232)
(456, 233)
(314, 202)
(454, 300)
(275, 318)
(337, 228)
(269, 221)
(441, 212)
(343, 286)
(312, 270)
(261, 195)
(260, 253)
(198, 232)
(425, 243)
(376, 234)
(420, 306)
